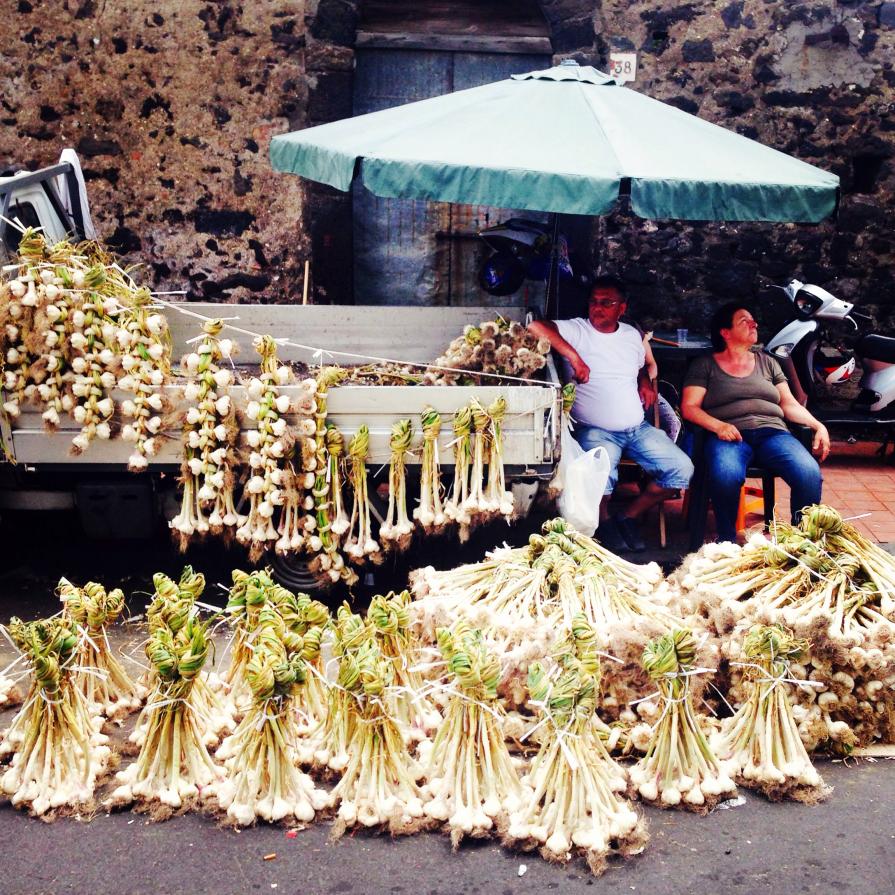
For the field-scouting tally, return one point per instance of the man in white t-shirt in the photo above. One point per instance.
(606, 358)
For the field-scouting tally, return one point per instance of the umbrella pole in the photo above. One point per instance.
(551, 298)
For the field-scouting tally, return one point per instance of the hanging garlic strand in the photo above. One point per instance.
(209, 435)
(455, 508)
(498, 498)
(359, 541)
(269, 443)
(335, 452)
(396, 530)
(430, 513)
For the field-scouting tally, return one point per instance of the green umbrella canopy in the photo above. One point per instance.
(561, 140)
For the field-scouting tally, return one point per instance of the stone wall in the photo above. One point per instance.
(171, 106)
(813, 79)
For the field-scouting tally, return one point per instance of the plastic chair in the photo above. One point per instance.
(698, 495)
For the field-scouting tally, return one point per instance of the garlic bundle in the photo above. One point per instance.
(262, 780)
(171, 605)
(679, 767)
(832, 587)
(174, 764)
(430, 513)
(576, 803)
(107, 687)
(472, 784)
(95, 363)
(498, 347)
(389, 618)
(455, 507)
(760, 745)
(269, 444)
(359, 543)
(379, 784)
(396, 530)
(209, 435)
(299, 474)
(476, 503)
(328, 562)
(524, 599)
(53, 366)
(556, 485)
(325, 747)
(498, 499)
(58, 753)
(145, 344)
(19, 301)
(335, 452)
(312, 620)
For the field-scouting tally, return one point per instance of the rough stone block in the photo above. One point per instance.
(698, 51)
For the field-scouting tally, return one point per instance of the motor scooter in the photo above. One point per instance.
(820, 347)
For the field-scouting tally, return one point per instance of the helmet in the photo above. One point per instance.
(501, 274)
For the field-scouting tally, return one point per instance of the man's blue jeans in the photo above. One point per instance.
(647, 446)
(775, 449)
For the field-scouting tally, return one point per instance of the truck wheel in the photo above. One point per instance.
(294, 573)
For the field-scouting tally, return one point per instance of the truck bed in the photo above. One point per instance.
(404, 334)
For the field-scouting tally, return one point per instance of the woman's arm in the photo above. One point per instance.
(547, 329)
(691, 410)
(795, 413)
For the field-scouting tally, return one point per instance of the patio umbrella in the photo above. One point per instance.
(568, 140)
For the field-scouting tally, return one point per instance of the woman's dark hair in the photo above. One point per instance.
(723, 319)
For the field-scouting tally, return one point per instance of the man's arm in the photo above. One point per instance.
(547, 329)
(647, 378)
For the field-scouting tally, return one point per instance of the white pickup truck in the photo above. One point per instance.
(42, 475)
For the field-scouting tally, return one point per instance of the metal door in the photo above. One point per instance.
(413, 252)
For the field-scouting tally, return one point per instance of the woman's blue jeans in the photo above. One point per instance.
(774, 449)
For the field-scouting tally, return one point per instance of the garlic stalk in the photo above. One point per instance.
(679, 768)
(760, 745)
(396, 530)
(430, 513)
(576, 801)
(99, 675)
(359, 541)
(58, 753)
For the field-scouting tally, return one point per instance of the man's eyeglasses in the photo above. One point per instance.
(604, 302)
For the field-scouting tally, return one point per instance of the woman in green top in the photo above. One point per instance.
(741, 397)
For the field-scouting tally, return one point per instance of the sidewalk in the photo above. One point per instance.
(857, 483)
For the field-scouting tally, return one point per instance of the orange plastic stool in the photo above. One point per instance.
(751, 501)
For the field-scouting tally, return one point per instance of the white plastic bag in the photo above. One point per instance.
(583, 475)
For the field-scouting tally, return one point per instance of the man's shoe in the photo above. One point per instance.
(630, 532)
(610, 537)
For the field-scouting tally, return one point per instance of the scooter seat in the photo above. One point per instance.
(875, 347)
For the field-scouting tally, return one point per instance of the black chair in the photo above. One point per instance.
(698, 504)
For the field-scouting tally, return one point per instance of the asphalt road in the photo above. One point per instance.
(845, 845)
